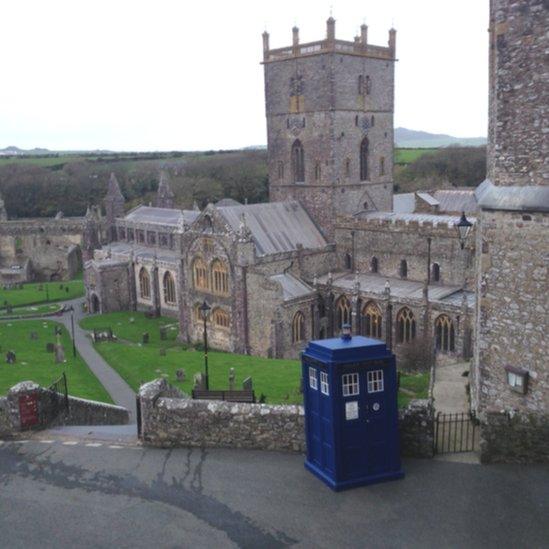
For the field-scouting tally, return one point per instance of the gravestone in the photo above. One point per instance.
(67, 289)
(60, 286)
(9, 309)
(59, 353)
(231, 379)
(162, 351)
(57, 330)
(50, 347)
(163, 333)
(180, 374)
(198, 381)
(10, 357)
(33, 336)
(145, 338)
(247, 384)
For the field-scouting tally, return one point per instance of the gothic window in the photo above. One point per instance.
(200, 273)
(220, 277)
(163, 239)
(151, 238)
(382, 166)
(197, 313)
(356, 120)
(364, 145)
(348, 261)
(360, 84)
(317, 171)
(374, 265)
(372, 121)
(280, 170)
(403, 268)
(347, 167)
(406, 326)
(343, 312)
(208, 245)
(140, 236)
(121, 233)
(367, 85)
(221, 318)
(371, 320)
(169, 288)
(444, 334)
(130, 235)
(298, 162)
(144, 283)
(435, 272)
(298, 327)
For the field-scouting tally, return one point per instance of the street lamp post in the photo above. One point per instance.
(463, 227)
(205, 313)
(72, 331)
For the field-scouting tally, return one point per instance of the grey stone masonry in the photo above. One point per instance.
(417, 429)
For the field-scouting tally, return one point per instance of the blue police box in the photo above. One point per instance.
(351, 412)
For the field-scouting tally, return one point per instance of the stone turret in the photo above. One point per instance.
(91, 233)
(165, 196)
(114, 206)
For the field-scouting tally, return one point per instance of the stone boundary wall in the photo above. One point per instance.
(514, 438)
(170, 419)
(80, 412)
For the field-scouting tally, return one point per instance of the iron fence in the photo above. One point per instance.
(59, 396)
(455, 433)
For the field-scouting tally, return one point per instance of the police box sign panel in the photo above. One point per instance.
(351, 410)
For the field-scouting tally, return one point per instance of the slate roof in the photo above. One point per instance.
(428, 198)
(161, 216)
(276, 226)
(404, 202)
(517, 198)
(435, 219)
(456, 200)
(292, 286)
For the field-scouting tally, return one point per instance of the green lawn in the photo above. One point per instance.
(42, 292)
(32, 310)
(34, 363)
(405, 156)
(278, 380)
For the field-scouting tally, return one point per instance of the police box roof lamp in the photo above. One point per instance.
(463, 227)
(346, 331)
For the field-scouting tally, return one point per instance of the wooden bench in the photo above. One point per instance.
(229, 396)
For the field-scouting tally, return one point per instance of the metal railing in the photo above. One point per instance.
(59, 396)
(455, 433)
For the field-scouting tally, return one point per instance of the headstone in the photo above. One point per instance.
(10, 357)
(231, 379)
(67, 289)
(59, 353)
(50, 347)
(9, 309)
(247, 384)
(180, 374)
(57, 330)
(60, 286)
(145, 338)
(198, 381)
(162, 351)
(163, 333)
(33, 336)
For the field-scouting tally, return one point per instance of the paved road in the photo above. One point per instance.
(121, 393)
(90, 494)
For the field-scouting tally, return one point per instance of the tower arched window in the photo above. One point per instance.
(406, 326)
(168, 284)
(382, 166)
(220, 277)
(374, 265)
(371, 320)
(221, 318)
(347, 167)
(280, 166)
(364, 148)
(343, 312)
(200, 274)
(444, 334)
(360, 84)
(348, 261)
(144, 283)
(298, 327)
(435, 272)
(298, 162)
(403, 268)
(317, 171)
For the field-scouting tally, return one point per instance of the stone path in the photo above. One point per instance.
(449, 389)
(121, 393)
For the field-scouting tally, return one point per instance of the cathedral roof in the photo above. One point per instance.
(434, 219)
(275, 226)
(161, 216)
(292, 286)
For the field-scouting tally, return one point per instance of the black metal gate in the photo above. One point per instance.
(59, 396)
(455, 433)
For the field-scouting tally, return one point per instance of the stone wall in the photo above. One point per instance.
(171, 419)
(6, 427)
(514, 438)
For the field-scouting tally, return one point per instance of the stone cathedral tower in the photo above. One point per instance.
(329, 107)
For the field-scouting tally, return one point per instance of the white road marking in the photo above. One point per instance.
(22, 441)
(46, 441)
(94, 444)
(116, 447)
(1, 442)
(70, 443)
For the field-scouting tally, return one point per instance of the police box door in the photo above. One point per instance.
(365, 422)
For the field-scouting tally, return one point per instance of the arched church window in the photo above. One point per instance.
(317, 171)
(280, 169)
(221, 318)
(298, 162)
(169, 288)
(343, 312)
(371, 320)
(406, 326)
(444, 334)
(364, 146)
(347, 167)
(374, 265)
(372, 121)
(348, 261)
(435, 272)
(403, 268)
(382, 166)
(144, 283)
(200, 274)
(298, 327)
(220, 277)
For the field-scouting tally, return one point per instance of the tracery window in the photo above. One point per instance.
(169, 288)
(374, 265)
(406, 326)
(144, 283)
(444, 334)
(435, 272)
(200, 274)
(343, 311)
(364, 146)
(221, 318)
(298, 162)
(403, 268)
(371, 320)
(220, 277)
(298, 327)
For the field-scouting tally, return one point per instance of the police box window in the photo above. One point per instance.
(350, 384)
(324, 386)
(375, 381)
(313, 382)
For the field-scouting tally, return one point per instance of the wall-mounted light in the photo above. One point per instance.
(517, 379)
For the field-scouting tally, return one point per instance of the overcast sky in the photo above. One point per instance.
(180, 75)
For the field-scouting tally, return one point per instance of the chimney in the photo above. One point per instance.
(295, 40)
(265, 45)
(392, 41)
(364, 34)
(330, 29)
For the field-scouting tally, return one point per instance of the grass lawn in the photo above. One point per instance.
(277, 379)
(31, 310)
(42, 292)
(405, 156)
(34, 363)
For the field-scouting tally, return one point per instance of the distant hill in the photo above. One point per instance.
(418, 139)
(13, 151)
